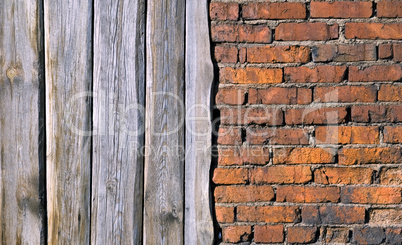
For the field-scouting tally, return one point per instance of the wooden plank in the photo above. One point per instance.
(68, 60)
(199, 77)
(21, 131)
(164, 161)
(119, 81)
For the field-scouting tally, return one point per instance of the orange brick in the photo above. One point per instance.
(280, 136)
(345, 176)
(239, 194)
(317, 31)
(255, 34)
(301, 234)
(375, 73)
(240, 155)
(281, 175)
(224, 11)
(243, 116)
(304, 155)
(229, 136)
(347, 135)
(271, 214)
(374, 195)
(351, 156)
(391, 176)
(229, 157)
(250, 75)
(227, 176)
(341, 9)
(226, 54)
(345, 94)
(277, 95)
(390, 9)
(230, 96)
(307, 194)
(224, 214)
(274, 11)
(324, 115)
(390, 92)
(236, 233)
(278, 54)
(393, 135)
(268, 233)
(318, 74)
(373, 30)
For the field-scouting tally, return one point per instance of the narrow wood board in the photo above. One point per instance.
(199, 77)
(68, 60)
(164, 152)
(21, 129)
(118, 120)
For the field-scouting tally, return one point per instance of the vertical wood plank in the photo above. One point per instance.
(199, 78)
(118, 119)
(21, 131)
(164, 156)
(68, 60)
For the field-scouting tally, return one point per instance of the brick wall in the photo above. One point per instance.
(310, 129)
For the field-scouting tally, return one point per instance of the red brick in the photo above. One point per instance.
(230, 96)
(263, 115)
(397, 51)
(317, 31)
(377, 113)
(224, 32)
(277, 95)
(281, 175)
(243, 55)
(341, 9)
(386, 217)
(351, 156)
(239, 194)
(268, 233)
(307, 194)
(304, 155)
(278, 54)
(390, 9)
(227, 176)
(274, 11)
(226, 54)
(224, 11)
(333, 215)
(375, 73)
(368, 235)
(250, 75)
(255, 34)
(337, 236)
(318, 74)
(229, 136)
(347, 135)
(373, 30)
(385, 51)
(280, 136)
(393, 135)
(323, 115)
(344, 176)
(236, 233)
(345, 94)
(390, 92)
(301, 234)
(372, 195)
(391, 176)
(229, 157)
(224, 214)
(344, 53)
(271, 214)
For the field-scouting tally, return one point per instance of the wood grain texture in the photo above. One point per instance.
(118, 119)
(68, 60)
(21, 131)
(164, 156)
(199, 77)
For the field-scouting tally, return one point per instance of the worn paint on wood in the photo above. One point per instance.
(164, 157)
(21, 128)
(199, 77)
(118, 119)
(68, 60)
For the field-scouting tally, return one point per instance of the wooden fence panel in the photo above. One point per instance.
(164, 156)
(21, 126)
(119, 96)
(68, 60)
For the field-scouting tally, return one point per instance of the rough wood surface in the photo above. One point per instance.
(68, 60)
(164, 156)
(199, 77)
(21, 128)
(118, 120)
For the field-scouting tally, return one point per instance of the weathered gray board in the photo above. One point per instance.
(118, 121)
(68, 59)
(21, 128)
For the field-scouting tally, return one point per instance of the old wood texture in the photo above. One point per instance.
(199, 77)
(164, 156)
(68, 60)
(21, 126)
(118, 119)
